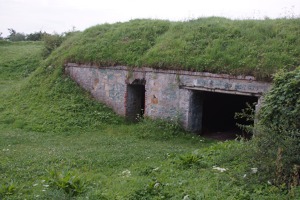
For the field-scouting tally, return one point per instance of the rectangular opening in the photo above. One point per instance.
(212, 114)
(135, 102)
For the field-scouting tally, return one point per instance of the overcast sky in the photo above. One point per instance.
(28, 16)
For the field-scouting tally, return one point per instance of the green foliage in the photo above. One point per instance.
(248, 115)
(68, 181)
(7, 189)
(152, 190)
(278, 133)
(51, 42)
(15, 36)
(249, 47)
(191, 160)
(282, 104)
(37, 36)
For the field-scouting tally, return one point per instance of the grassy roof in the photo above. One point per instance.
(218, 45)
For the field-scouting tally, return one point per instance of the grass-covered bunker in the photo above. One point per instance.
(200, 101)
(200, 72)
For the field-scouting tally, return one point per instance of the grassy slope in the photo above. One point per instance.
(41, 101)
(85, 139)
(250, 47)
(18, 60)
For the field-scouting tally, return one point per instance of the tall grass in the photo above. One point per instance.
(249, 47)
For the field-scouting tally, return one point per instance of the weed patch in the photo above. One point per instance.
(152, 190)
(68, 181)
(7, 189)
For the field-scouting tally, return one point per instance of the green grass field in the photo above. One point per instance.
(56, 142)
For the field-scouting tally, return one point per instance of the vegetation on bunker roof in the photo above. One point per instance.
(217, 45)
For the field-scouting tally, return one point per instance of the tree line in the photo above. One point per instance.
(51, 41)
(15, 36)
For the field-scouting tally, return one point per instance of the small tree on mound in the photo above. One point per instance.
(277, 136)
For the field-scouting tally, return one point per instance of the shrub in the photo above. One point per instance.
(51, 42)
(277, 136)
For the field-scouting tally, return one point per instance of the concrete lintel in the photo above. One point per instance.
(222, 91)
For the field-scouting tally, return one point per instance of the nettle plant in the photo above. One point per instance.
(277, 135)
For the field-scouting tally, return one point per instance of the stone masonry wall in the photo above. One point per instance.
(105, 85)
(168, 93)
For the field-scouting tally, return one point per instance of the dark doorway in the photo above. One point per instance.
(213, 113)
(219, 110)
(135, 104)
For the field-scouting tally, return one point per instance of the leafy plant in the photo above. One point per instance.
(7, 189)
(68, 181)
(190, 160)
(150, 191)
(277, 135)
(248, 115)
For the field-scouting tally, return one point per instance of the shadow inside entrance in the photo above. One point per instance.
(213, 114)
(135, 102)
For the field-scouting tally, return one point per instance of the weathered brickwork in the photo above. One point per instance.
(168, 94)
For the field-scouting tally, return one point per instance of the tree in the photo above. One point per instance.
(12, 32)
(37, 36)
(15, 36)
